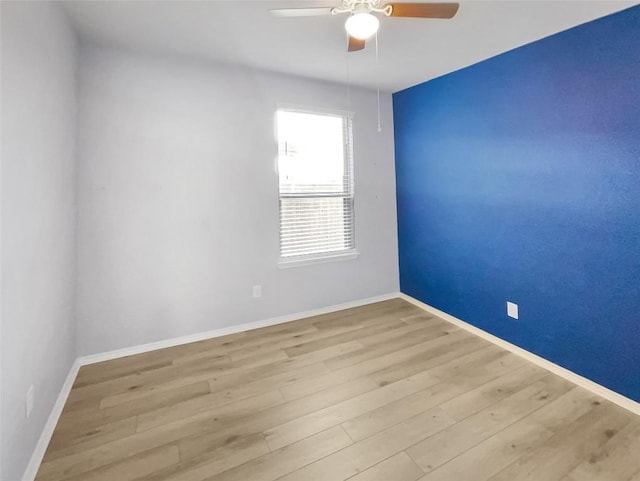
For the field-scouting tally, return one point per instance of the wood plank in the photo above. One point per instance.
(338, 413)
(453, 441)
(66, 442)
(234, 453)
(106, 371)
(232, 394)
(565, 449)
(303, 346)
(362, 455)
(112, 452)
(209, 403)
(94, 419)
(491, 392)
(617, 460)
(231, 378)
(412, 405)
(89, 395)
(438, 352)
(207, 439)
(496, 453)
(134, 467)
(283, 461)
(190, 373)
(402, 329)
(391, 345)
(399, 467)
(386, 311)
(303, 341)
(508, 445)
(419, 318)
(309, 386)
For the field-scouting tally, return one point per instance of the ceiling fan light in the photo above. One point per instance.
(362, 25)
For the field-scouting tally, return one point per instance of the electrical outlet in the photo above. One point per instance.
(29, 402)
(512, 310)
(257, 291)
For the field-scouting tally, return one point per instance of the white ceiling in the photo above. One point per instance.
(410, 50)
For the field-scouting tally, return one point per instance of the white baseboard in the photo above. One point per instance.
(52, 421)
(583, 382)
(128, 351)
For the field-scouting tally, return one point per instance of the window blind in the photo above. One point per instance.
(316, 184)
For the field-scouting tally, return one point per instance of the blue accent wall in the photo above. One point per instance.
(518, 178)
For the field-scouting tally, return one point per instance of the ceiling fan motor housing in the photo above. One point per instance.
(362, 6)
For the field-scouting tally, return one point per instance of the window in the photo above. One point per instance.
(316, 185)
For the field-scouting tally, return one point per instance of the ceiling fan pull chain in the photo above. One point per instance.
(378, 84)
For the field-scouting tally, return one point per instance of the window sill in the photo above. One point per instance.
(317, 259)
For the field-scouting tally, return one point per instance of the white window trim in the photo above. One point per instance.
(323, 257)
(299, 261)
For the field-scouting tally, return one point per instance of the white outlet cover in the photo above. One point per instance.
(257, 291)
(512, 310)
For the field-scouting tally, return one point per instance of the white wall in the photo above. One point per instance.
(178, 205)
(38, 220)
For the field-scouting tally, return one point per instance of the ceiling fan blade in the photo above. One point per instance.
(301, 12)
(355, 44)
(423, 10)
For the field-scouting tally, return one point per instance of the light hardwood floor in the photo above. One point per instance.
(383, 392)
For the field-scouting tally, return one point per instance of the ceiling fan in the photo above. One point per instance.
(362, 23)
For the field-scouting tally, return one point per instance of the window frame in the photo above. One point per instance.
(331, 256)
